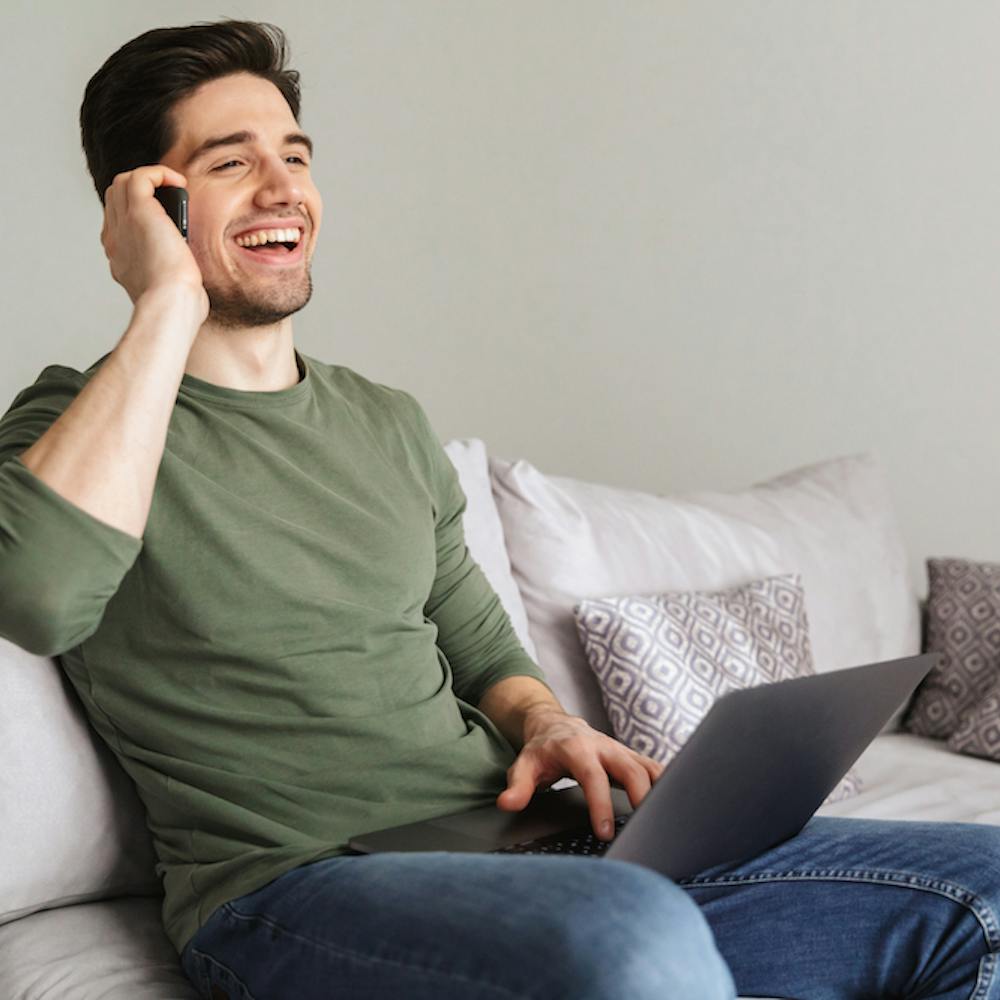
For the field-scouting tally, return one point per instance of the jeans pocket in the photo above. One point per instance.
(217, 981)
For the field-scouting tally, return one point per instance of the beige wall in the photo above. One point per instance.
(665, 245)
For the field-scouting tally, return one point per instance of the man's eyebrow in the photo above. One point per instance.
(239, 138)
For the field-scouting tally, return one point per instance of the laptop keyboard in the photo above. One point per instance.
(583, 841)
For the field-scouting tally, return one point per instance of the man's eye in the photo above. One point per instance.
(231, 163)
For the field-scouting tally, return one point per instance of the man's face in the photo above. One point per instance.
(263, 183)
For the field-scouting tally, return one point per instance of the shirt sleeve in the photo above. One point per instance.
(59, 565)
(474, 631)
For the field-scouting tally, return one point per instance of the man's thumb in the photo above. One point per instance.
(518, 792)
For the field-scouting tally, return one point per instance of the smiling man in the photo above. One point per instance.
(254, 259)
(251, 565)
(252, 568)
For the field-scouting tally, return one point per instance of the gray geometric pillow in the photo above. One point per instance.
(978, 733)
(662, 660)
(963, 625)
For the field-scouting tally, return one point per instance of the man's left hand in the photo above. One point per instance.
(557, 745)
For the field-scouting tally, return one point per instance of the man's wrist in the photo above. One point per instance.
(539, 715)
(516, 705)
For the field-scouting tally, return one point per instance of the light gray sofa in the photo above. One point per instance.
(79, 904)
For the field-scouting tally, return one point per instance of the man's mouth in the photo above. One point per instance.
(272, 246)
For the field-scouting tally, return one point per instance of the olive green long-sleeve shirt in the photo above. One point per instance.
(292, 653)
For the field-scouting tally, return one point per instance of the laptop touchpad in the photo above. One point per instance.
(548, 812)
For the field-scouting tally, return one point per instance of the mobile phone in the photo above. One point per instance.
(175, 201)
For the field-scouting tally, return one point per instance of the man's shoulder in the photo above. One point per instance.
(388, 410)
(37, 406)
(357, 388)
(54, 384)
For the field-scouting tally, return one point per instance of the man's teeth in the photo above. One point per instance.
(269, 236)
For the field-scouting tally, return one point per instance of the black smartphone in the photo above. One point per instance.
(175, 201)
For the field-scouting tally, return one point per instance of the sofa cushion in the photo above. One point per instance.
(831, 523)
(913, 778)
(484, 535)
(963, 625)
(663, 660)
(978, 731)
(114, 950)
(73, 826)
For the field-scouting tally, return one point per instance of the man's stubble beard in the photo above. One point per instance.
(241, 308)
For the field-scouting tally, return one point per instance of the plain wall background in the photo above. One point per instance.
(664, 245)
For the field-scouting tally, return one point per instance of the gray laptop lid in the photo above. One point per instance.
(753, 773)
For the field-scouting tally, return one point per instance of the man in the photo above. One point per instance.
(252, 566)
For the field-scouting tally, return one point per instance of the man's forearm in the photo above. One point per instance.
(103, 453)
(512, 703)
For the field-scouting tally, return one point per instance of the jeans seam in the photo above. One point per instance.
(905, 880)
(206, 978)
(985, 977)
(231, 911)
(195, 957)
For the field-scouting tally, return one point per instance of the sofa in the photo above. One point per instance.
(80, 904)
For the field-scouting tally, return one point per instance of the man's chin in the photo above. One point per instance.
(228, 310)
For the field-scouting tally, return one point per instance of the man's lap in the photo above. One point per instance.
(844, 909)
(468, 926)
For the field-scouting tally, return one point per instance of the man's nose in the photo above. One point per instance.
(280, 183)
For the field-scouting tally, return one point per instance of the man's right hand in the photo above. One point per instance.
(143, 245)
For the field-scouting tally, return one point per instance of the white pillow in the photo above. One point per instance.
(73, 827)
(484, 533)
(831, 523)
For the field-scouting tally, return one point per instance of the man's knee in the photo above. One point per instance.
(634, 933)
(965, 857)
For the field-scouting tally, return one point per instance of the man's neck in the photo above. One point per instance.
(259, 359)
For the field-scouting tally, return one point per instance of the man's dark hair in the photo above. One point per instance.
(125, 117)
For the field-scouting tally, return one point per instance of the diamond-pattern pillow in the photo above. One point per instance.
(963, 625)
(978, 733)
(662, 660)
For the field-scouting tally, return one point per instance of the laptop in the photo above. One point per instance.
(752, 774)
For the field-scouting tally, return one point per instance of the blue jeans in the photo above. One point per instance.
(848, 908)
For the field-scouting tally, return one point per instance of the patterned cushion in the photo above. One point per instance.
(963, 625)
(978, 733)
(662, 660)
